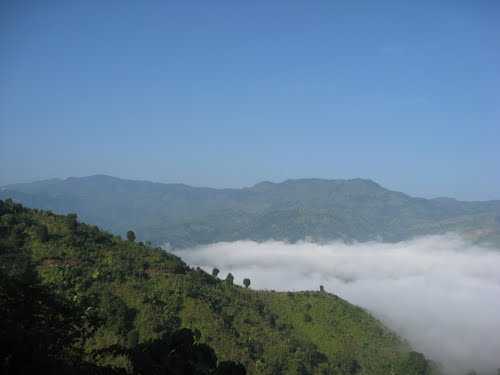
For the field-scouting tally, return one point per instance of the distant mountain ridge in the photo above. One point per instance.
(320, 210)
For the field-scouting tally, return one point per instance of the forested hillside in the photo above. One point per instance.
(320, 210)
(76, 299)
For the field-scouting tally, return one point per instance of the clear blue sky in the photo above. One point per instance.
(229, 93)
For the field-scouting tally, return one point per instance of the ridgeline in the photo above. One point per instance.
(320, 210)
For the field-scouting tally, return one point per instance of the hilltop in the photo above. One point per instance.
(131, 294)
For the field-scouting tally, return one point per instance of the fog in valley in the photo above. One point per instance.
(441, 293)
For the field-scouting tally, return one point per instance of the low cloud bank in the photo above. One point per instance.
(439, 292)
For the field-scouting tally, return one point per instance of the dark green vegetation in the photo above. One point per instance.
(293, 210)
(78, 299)
(52, 327)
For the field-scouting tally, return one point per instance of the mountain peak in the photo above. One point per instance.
(353, 209)
(94, 177)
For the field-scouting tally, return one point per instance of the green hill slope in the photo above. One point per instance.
(137, 294)
(321, 210)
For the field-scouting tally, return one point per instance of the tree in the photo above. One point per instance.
(246, 282)
(132, 338)
(215, 272)
(72, 222)
(230, 368)
(417, 364)
(42, 233)
(131, 236)
(229, 278)
(177, 353)
(38, 327)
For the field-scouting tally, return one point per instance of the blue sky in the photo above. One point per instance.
(229, 93)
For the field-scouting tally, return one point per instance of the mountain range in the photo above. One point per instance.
(181, 216)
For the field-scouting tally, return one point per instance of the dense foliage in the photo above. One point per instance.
(77, 299)
(293, 210)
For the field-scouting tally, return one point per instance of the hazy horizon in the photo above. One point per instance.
(222, 95)
(416, 195)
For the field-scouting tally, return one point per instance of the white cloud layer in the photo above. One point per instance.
(439, 292)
